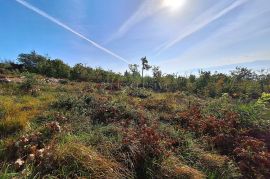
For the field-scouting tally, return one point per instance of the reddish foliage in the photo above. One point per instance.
(253, 157)
(262, 135)
(230, 138)
(150, 142)
(106, 113)
(144, 144)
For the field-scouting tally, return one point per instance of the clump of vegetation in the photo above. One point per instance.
(29, 85)
(264, 99)
(140, 93)
(145, 146)
(229, 136)
(78, 160)
(173, 167)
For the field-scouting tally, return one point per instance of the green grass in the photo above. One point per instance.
(95, 124)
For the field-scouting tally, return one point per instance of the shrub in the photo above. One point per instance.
(264, 99)
(99, 110)
(230, 137)
(162, 105)
(146, 147)
(66, 103)
(218, 107)
(104, 112)
(253, 158)
(28, 86)
(35, 149)
(251, 115)
(140, 93)
(113, 87)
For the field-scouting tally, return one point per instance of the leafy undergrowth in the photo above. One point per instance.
(85, 130)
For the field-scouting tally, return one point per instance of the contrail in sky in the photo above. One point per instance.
(197, 26)
(52, 19)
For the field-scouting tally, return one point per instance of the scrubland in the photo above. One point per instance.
(72, 129)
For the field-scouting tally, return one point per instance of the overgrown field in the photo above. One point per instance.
(82, 129)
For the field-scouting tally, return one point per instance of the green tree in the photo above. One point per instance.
(157, 74)
(202, 82)
(60, 69)
(135, 73)
(79, 72)
(31, 61)
(145, 66)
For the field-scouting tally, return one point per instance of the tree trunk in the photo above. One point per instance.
(142, 79)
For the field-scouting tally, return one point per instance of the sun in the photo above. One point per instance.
(173, 4)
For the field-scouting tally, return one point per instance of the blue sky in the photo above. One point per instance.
(176, 35)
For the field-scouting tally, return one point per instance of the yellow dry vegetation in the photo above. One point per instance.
(19, 110)
(213, 160)
(95, 163)
(172, 167)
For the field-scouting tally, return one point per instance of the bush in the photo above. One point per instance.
(146, 147)
(28, 86)
(264, 99)
(251, 115)
(253, 158)
(109, 112)
(66, 103)
(218, 107)
(231, 137)
(113, 87)
(140, 93)
(161, 105)
(100, 110)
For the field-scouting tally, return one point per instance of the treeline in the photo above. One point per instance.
(56, 68)
(240, 83)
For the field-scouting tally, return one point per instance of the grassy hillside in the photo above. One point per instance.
(57, 129)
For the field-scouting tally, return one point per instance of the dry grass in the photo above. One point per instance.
(172, 167)
(90, 160)
(213, 160)
(18, 111)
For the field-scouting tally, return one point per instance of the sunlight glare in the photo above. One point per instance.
(173, 4)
